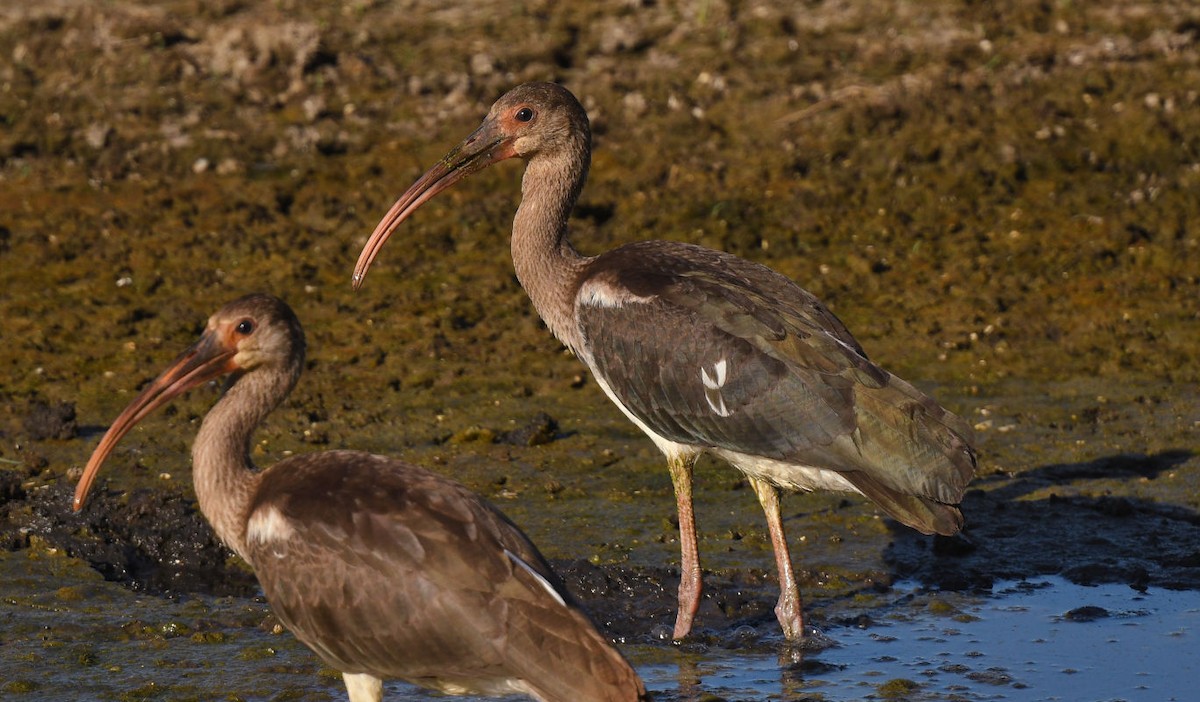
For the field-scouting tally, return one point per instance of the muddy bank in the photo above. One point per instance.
(998, 200)
(1063, 519)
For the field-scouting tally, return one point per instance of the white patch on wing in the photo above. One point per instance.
(712, 387)
(267, 525)
(538, 576)
(601, 293)
(848, 347)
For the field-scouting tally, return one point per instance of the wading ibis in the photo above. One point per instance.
(382, 568)
(705, 351)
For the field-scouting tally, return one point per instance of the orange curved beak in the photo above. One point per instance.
(208, 358)
(485, 146)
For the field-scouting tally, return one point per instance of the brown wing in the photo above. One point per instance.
(711, 350)
(382, 567)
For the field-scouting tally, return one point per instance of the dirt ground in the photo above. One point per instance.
(999, 199)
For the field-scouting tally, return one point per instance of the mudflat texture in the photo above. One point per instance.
(999, 199)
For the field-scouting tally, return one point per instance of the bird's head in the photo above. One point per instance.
(535, 118)
(252, 332)
(531, 120)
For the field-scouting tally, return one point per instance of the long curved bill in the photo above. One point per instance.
(485, 146)
(205, 360)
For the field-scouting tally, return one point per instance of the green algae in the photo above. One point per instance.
(257, 653)
(208, 637)
(898, 689)
(18, 687)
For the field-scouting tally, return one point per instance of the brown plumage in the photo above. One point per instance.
(705, 351)
(382, 568)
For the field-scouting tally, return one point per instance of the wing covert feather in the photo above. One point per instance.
(794, 385)
(392, 570)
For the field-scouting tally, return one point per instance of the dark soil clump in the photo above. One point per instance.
(50, 421)
(151, 540)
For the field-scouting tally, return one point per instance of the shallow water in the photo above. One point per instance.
(1029, 640)
(77, 637)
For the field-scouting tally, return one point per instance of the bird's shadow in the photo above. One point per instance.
(1046, 521)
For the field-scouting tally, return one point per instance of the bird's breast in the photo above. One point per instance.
(786, 475)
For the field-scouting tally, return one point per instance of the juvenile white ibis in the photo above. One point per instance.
(705, 351)
(382, 568)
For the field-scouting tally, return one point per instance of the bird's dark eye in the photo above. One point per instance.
(525, 114)
(245, 327)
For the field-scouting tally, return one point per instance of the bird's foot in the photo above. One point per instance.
(683, 622)
(790, 615)
(794, 651)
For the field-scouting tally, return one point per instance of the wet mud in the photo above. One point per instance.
(1087, 539)
(998, 199)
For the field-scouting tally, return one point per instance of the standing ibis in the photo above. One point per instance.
(382, 568)
(705, 351)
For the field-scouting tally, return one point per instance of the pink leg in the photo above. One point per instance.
(789, 610)
(689, 556)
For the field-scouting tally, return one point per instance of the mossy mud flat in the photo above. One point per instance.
(999, 199)
(69, 634)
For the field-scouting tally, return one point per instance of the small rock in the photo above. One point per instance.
(991, 676)
(96, 135)
(314, 107)
(471, 435)
(542, 429)
(482, 65)
(229, 166)
(1086, 613)
(635, 104)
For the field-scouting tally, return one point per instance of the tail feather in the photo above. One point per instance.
(909, 455)
(912, 446)
(923, 514)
